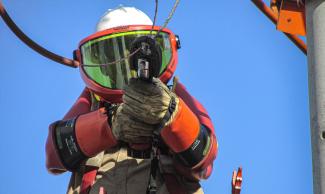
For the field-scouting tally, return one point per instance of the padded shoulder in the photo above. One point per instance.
(81, 106)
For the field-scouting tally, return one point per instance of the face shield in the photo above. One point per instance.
(105, 58)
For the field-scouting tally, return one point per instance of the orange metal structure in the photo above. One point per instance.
(292, 18)
(237, 178)
(288, 17)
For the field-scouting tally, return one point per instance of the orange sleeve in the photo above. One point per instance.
(183, 131)
(204, 168)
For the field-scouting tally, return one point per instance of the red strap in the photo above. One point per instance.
(173, 185)
(88, 180)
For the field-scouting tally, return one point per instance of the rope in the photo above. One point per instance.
(155, 17)
(171, 13)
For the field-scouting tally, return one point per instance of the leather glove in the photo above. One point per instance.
(129, 129)
(150, 101)
(143, 111)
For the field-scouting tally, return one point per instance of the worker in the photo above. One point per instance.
(106, 139)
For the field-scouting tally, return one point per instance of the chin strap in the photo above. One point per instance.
(32, 44)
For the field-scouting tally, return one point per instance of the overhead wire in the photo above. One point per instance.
(32, 44)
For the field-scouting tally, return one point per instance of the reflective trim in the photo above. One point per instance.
(118, 35)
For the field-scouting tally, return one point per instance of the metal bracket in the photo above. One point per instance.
(292, 18)
(236, 182)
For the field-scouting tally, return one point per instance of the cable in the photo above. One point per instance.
(32, 44)
(63, 60)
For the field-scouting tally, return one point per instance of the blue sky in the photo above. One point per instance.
(250, 77)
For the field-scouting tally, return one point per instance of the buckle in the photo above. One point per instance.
(172, 105)
(139, 154)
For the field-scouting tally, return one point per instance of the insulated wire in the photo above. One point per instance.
(31, 43)
(66, 61)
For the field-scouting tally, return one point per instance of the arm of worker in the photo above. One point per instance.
(79, 135)
(182, 122)
(191, 137)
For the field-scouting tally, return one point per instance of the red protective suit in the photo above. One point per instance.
(94, 135)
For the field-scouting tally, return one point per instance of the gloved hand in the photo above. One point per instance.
(144, 106)
(149, 101)
(129, 129)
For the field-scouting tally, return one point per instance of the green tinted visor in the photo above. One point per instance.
(99, 54)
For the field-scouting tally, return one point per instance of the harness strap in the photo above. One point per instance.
(88, 179)
(152, 186)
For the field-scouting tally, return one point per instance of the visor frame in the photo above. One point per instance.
(115, 95)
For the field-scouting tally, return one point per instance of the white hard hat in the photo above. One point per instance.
(122, 16)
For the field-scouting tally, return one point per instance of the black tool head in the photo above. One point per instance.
(149, 51)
